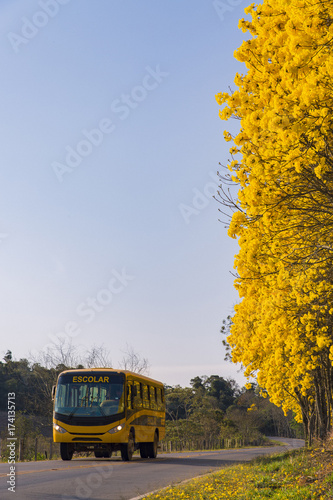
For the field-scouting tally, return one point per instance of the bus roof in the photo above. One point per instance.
(113, 370)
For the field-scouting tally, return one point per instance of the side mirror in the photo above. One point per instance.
(53, 392)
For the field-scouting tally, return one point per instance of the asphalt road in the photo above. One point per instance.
(112, 479)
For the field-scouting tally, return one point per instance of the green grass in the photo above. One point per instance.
(297, 475)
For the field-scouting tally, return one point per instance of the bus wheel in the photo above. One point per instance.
(66, 451)
(143, 450)
(152, 447)
(127, 449)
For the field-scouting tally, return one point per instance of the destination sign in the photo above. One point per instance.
(85, 378)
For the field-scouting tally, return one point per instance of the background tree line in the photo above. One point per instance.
(212, 408)
(32, 380)
(215, 408)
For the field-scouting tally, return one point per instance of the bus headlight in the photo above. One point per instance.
(59, 429)
(116, 429)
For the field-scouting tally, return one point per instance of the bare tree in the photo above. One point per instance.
(134, 362)
(97, 357)
(60, 353)
(65, 355)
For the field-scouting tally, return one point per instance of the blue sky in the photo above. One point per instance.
(110, 143)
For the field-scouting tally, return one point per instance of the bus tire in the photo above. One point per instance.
(66, 451)
(143, 450)
(152, 447)
(127, 449)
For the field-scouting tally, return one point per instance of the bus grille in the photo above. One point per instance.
(87, 433)
(86, 439)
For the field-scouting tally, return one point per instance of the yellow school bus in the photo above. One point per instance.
(104, 410)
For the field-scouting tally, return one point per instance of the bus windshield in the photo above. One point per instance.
(90, 394)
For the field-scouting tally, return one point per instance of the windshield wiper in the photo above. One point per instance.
(75, 409)
(72, 413)
(102, 411)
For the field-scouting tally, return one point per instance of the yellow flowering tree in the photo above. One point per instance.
(282, 161)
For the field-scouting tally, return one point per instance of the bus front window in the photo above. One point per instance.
(93, 394)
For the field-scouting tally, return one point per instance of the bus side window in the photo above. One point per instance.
(129, 395)
(152, 394)
(137, 395)
(163, 399)
(159, 399)
(145, 395)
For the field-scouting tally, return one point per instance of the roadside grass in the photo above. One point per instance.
(305, 474)
(266, 443)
